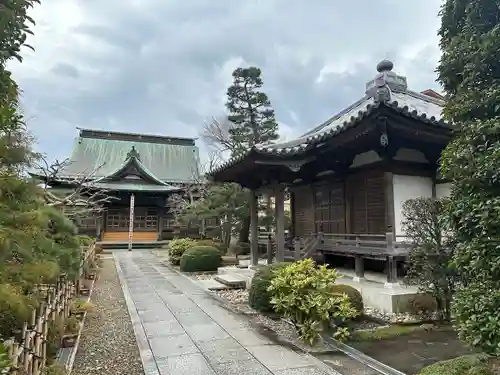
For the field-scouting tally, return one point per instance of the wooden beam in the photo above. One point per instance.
(389, 202)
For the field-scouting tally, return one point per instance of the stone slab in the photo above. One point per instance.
(170, 346)
(166, 328)
(206, 332)
(231, 280)
(211, 284)
(303, 371)
(188, 364)
(276, 357)
(251, 367)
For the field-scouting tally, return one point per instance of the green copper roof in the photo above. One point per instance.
(101, 154)
(126, 186)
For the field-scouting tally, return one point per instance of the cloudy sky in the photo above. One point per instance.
(163, 66)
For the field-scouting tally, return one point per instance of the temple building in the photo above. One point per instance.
(139, 172)
(349, 176)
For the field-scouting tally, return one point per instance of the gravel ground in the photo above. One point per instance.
(107, 344)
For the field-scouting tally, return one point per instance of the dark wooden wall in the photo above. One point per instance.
(354, 204)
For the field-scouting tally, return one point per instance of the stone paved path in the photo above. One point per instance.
(181, 330)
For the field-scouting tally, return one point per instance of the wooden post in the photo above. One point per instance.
(389, 238)
(254, 231)
(269, 249)
(359, 267)
(297, 248)
(131, 222)
(279, 206)
(392, 275)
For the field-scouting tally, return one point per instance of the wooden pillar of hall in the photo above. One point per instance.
(254, 229)
(279, 206)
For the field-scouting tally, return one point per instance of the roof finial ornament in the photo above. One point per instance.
(385, 82)
(385, 66)
(133, 154)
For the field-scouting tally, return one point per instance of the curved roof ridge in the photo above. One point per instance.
(125, 165)
(334, 117)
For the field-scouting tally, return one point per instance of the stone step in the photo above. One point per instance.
(232, 281)
(212, 284)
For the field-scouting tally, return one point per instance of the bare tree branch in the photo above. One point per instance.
(216, 134)
(85, 198)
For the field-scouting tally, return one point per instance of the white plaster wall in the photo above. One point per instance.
(408, 187)
(443, 190)
(364, 158)
(409, 154)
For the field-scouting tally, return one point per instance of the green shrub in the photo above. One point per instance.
(302, 292)
(177, 247)
(354, 296)
(4, 358)
(200, 258)
(259, 298)
(84, 240)
(15, 309)
(422, 305)
(218, 245)
(465, 365)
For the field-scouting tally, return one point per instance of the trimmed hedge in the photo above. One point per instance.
(218, 245)
(200, 258)
(259, 298)
(353, 294)
(177, 247)
(465, 365)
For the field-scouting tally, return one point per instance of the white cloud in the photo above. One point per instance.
(158, 66)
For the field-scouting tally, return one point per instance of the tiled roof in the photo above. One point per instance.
(166, 158)
(387, 89)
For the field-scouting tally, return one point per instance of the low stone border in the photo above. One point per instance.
(70, 353)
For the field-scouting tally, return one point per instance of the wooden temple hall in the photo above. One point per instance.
(139, 172)
(349, 176)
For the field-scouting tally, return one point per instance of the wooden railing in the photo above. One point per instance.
(366, 243)
(29, 356)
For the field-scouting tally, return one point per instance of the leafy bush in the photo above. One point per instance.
(218, 245)
(476, 309)
(85, 240)
(15, 309)
(177, 247)
(200, 258)
(465, 365)
(429, 261)
(259, 297)
(4, 358)
(303, 293)
(422, 305)
(354, 296)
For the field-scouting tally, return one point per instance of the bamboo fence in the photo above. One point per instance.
(29, 356)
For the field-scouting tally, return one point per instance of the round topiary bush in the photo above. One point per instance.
(469, 364)
(353, 294)
(200, 258)
(177, 247)
(218, 245)
(259, 298)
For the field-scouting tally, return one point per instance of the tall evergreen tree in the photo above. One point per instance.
(36, 241)
(469, 71)
(250, 110)
(252, 117)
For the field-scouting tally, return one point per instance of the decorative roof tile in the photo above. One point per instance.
(386, 89)
(99, 154)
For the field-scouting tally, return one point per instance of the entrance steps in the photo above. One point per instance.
(123, 236)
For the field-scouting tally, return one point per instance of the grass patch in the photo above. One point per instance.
(385, 333)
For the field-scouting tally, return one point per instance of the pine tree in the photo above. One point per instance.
(250, 110)
(36, 241)
(252, 117)
(469, 71)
